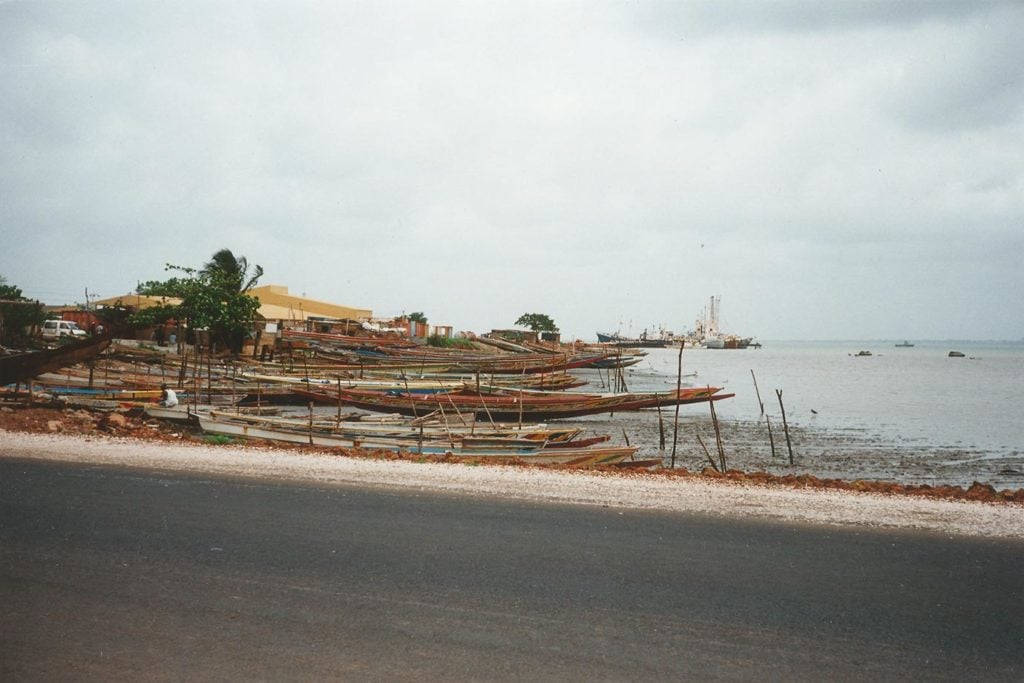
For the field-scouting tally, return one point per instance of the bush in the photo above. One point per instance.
(448, 342)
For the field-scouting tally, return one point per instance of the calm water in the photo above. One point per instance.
(916, 395)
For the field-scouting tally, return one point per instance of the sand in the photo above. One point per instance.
(635, 490)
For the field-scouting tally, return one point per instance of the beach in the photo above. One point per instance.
(169, 450)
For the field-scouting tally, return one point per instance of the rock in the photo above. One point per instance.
(117, 420)
(112, 421)
(54, 425)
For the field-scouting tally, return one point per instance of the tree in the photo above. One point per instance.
(538, 322)
(18, 315)
(230, 272)
(417, 317)
(214, 298)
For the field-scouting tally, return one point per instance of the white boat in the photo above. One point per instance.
(178, 413)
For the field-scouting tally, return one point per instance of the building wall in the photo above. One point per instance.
(277, 297)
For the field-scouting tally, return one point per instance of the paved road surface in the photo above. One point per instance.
(108, 574)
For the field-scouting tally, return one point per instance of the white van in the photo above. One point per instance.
(55, 329)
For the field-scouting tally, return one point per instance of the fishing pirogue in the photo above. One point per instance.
(494, 443)
(496, 403)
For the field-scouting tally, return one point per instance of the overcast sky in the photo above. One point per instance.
(832, 170)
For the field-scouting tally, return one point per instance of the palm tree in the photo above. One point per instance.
(232, 271)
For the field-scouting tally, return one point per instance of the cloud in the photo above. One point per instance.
(479, 161)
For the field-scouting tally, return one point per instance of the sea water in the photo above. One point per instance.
(917, 396)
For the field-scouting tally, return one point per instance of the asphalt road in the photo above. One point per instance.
(111, 574)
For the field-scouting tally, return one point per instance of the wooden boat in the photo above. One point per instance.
(577, 457)
(21, 367)
(503, 405)
(905, 345)
(178, 413)
(429, 428)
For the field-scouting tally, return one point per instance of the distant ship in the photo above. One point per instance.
(904, 345)
(642, 342)
(709, 336)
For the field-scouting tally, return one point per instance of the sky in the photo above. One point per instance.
(831, 170)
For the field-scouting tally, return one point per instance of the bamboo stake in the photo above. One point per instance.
(679, 386)
(339, 400)
(771, 439)
(785, 426)
(259, 397)
(757, 391)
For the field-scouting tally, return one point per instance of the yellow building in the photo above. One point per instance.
(277, 304)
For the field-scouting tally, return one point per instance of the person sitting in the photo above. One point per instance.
(168, 399)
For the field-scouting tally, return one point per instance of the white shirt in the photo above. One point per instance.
(171, 400)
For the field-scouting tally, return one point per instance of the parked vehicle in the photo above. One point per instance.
(55, 329)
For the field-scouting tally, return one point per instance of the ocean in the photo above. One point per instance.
(918, 396)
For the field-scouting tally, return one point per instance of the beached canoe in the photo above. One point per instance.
(510, 405)
(534, 453)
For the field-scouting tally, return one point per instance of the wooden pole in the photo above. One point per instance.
(310, 423)
(451, 440)
(679, 386)
(339, 400)
(259, 397)
(407, 392)
(757, 391)
(707, 454)
(456, 408)
(718, 435)
(209, 376)
(771, 439)
(661, 431)
(785, 426)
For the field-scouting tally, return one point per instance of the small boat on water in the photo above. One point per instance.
(863, 353)
(956, 354)
(904, 345)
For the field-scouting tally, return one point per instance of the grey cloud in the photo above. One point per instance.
(693, 20)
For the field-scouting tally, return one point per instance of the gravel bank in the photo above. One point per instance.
(633, 490)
